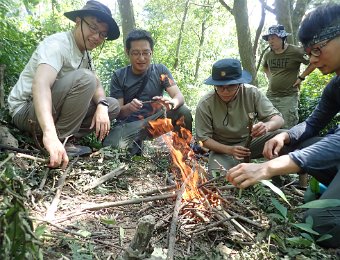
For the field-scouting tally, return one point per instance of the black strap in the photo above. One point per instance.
(141, 88)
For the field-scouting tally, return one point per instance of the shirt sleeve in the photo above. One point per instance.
(166, 77)
(116, 87)
(49, 53)
(265, 61)
(264, 108)
(321, 155)
(203, 122)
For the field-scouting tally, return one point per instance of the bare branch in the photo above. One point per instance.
(227, 6)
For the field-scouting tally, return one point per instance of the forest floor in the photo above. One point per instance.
(77, 221)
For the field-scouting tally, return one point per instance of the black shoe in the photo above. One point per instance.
(136, 148)
(73, 150)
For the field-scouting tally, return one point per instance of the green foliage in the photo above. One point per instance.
(15, 50)
(310, 95)
(321, 203)
(17, 239)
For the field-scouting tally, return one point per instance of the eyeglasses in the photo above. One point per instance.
(145, 54)
(316, 52)
(228, 88)
(94, 30)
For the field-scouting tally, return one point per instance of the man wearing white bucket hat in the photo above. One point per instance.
(58, 93)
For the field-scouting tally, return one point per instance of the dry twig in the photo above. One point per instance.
(106, 177)
(54, 204)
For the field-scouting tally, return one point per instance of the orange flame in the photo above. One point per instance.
(180, 153)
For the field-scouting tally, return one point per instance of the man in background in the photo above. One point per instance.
(282, 67)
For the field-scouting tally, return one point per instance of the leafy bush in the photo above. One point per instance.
(310, 95)
(17, 239)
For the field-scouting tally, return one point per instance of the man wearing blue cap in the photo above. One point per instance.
(222, 116)
(282, 67)
(320, 35)
(58, 93)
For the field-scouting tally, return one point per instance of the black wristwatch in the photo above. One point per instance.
(103, 102)
(301, 78)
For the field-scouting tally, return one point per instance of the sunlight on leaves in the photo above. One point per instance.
(276, 190)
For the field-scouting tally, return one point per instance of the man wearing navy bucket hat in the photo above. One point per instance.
(222, 116)
(58, 93)
(282, 67)
(319, 33)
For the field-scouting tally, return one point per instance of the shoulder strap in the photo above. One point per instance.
(145, 80)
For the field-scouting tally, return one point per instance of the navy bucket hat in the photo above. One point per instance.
(228, 72)
(97, 9)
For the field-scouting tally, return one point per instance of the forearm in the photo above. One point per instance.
(125, 111)
(282, 165)
(217, 147)
(99, 94)
(310, 68)
(178, 100)
(274, 123)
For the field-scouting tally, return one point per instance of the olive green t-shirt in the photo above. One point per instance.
(227, 123)
(284, 69)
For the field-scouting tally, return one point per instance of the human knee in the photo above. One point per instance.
(114, 107)
(87, 79)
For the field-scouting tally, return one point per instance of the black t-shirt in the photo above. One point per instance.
(125, 84)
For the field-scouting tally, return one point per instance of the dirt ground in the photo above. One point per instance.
(100, 222)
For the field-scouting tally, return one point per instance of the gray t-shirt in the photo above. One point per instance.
(125, 84)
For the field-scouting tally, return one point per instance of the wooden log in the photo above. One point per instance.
(140, 247)
(106, 177)
(173, 226)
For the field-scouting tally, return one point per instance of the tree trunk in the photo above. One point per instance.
(199, 55)
(240, 12)
(283, 10)
(179, 42)
(127, 17)
(298, 12)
